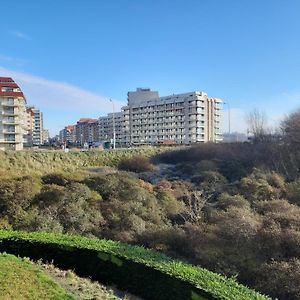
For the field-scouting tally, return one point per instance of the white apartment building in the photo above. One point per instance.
(12, 115)
(183, 118)
(37, 134)
(150, 119)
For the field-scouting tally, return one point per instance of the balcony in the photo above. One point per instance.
(10, 112)
(7, 132)
(10, 104)
(8, 140)
(10, 121)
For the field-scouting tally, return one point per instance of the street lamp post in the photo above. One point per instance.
(228, 116)
(113, 121)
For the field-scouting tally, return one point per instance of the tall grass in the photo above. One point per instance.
(27, 162)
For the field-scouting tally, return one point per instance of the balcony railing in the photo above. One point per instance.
(10, 121)
(10, 103)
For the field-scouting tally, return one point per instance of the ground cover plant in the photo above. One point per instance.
(127, 266)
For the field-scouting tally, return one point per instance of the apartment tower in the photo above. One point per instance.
(37, 135)
(179, 118)
(12, 115)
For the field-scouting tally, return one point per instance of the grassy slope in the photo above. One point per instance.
(26, 162)
(19, 279)
(82, 288)
(215, 284)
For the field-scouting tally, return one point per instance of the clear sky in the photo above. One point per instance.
(70, 56)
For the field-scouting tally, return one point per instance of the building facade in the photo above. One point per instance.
(87, 131)
(107, 125)
(12, 115)
(29, 127)
(150, 119)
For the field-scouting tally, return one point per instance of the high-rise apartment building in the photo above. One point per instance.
(12, 115)
(150, 119)
(183, 118)
(38, 127)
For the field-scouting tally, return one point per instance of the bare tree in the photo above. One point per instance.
(290, 127)
(257, 123)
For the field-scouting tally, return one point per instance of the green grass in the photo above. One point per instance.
(214, 284)
(26, 162)
(20, 279)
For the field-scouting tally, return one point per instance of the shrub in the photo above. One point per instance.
(136, 164)
(293, 191)
(16, 195)
(73, 207)
(274, 275)
(171, 206)
(257, 187)
(225, 201)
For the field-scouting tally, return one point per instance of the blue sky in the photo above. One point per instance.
(70, 56)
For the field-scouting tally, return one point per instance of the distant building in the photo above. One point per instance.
(37, 134)
(38, 127)
(12, 115)
(176, 119)
(46, 136)
(87, 131)
(68, 135)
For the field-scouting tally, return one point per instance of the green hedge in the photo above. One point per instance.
(140, 271)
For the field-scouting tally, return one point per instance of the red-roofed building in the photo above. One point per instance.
(68, 135)
(87, 131)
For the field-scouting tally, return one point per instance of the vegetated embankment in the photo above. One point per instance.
(140, 271)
